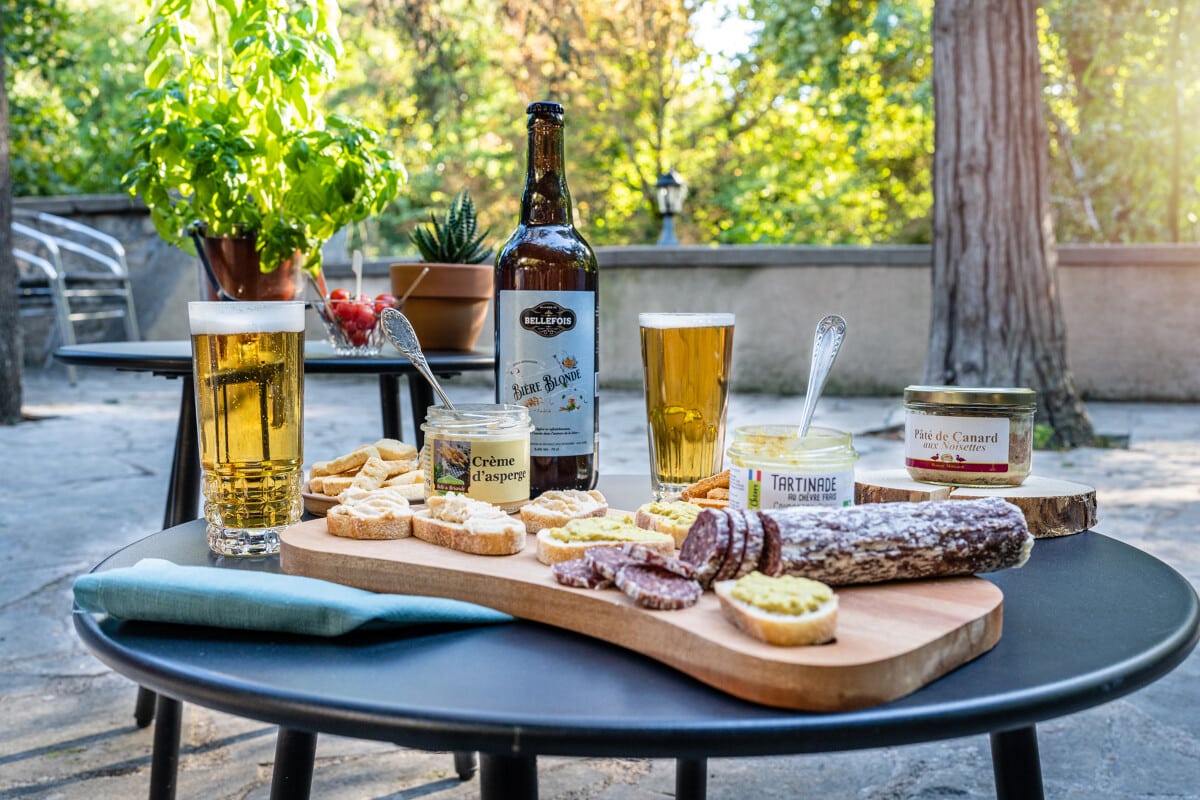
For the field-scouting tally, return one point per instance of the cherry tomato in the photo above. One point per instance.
(383, 301)
(339, 294)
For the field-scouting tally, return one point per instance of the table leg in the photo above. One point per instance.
(507, 777)
(143, 711)
(466, 764)
(420, 395)
(389, 407)
(183, 491)
(164, 761)
(1016, 764)
(295, 752)
(691, 778)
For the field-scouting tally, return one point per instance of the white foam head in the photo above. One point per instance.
(241, 316)
(684, 319)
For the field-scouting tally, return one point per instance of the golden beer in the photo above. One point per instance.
(686, 359)
(248, 361)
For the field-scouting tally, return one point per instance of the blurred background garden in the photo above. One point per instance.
(791, 122)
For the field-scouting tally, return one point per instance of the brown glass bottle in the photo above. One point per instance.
(547, 318)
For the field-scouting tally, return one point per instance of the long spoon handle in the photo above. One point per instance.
(826, 342)
(400, 331)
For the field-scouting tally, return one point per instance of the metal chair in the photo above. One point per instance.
(72, 272)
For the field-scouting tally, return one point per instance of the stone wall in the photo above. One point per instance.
(1129, 310)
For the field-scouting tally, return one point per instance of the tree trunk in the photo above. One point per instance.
(996, 316)
(10, 316)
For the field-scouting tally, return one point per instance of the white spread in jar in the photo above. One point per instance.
(772, 467)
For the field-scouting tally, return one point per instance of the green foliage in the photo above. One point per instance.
(455, 238)
(232, 138)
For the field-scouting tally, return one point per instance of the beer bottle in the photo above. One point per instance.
(547, 318)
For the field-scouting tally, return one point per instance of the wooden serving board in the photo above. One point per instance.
(891, 639)
(1052, 507)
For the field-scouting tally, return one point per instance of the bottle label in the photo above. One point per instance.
(764, 488)
(547, 364)
(957, 444)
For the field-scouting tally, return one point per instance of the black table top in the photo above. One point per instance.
(1087, 620)
(174, 357)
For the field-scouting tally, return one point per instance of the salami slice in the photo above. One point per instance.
(607, 560)
(656, 588)
(706, 544)
(898, 541)
(578, 572)
(647, 556)
(754, 543)
(771, 561)
(737, 545)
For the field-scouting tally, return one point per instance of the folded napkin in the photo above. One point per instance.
(160, 591)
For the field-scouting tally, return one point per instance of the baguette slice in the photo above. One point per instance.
(555, 509)
(674, 518)
(816, 626)
(571, 540)
(374, 514)
(472, 526)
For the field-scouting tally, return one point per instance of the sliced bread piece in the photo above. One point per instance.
(370, 514)
(675, 518)
(571, 540)
(785, 610)
(456, 521)
(556, 508)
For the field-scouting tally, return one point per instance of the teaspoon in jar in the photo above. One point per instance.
(826, 342)
(400, 331)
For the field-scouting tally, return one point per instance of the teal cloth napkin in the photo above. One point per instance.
(160, 591)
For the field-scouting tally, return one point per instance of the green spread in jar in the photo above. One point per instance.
(785, 594)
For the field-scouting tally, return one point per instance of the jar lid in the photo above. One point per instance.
(971, 395)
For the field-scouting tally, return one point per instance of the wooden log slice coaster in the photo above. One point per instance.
(1052, 507)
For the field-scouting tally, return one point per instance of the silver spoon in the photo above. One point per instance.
(826, 342)
(400, 331)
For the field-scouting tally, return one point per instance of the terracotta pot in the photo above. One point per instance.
(235, 263)
(449, 306)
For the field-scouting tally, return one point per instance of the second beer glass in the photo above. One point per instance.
(248, 362)
(686, 359)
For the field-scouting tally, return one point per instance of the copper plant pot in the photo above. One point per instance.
(449, 306)
(236, 266)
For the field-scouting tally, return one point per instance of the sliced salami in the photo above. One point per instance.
(737, 545)
(578, 572)
(754, 543)
(607, 560)
(647, 556)
(706, 544)
(771, 561)
(879, 542)
(656, 588)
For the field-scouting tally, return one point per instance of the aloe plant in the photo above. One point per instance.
(455, 238)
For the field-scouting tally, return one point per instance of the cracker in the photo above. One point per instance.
(334, 485)
(719, 493)
(406, 478)
(316, 484)
(395, 450)
(372, 474)
(401, 466)
(708, 502)
(701, 488)
(351, 460)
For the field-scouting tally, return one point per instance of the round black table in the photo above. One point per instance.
(173, 359)
(520, 690)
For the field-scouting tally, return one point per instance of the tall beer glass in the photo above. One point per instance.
(686, 359)
(248, 364)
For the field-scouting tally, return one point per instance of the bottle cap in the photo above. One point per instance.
(544, 107)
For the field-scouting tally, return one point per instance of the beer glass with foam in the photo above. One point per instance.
(248, 365)
(686, 359)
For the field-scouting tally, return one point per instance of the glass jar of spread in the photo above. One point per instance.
(772, 467)
(480, 450)
(960, 436)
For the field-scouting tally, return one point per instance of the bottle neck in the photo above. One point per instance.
(547, 200)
